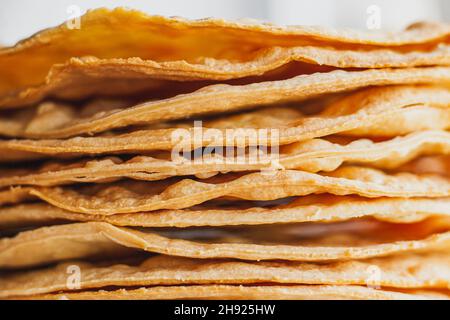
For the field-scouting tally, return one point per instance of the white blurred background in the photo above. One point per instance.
(22, 18)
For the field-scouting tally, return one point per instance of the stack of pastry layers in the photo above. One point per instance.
(353, 203)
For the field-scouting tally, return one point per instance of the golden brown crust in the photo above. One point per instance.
(224, 292)
(239, 49)
(134, 196)
(352, 240)
(59, 121)
(403, 271)
(317, 208)
(312, 156)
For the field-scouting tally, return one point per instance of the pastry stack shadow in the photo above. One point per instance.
(144, 157)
